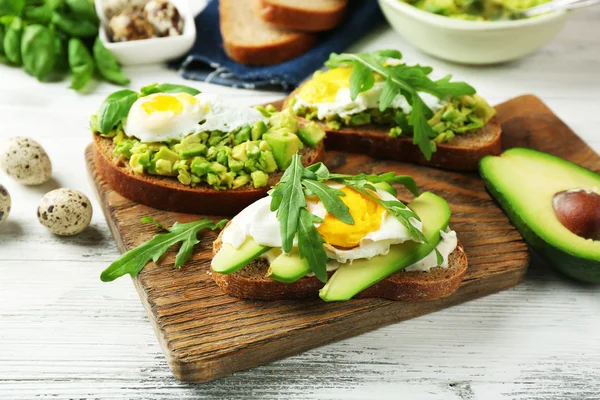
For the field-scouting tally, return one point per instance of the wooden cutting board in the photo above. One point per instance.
(206, 334)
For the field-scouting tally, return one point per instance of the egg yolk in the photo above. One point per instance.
(323, 87)
(167, 103)
(367, 215)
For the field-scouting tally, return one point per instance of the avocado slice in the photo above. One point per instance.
(288, 268)
(284, 145)
(311, 134)
(351, 279)
(229, 259)
(386, 187)
(530, 185)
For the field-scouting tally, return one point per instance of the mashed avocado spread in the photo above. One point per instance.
(476, 10)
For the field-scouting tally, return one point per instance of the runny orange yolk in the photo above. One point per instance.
(367, 215)
(167, 103)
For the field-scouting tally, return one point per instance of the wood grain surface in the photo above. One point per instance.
(206, 334)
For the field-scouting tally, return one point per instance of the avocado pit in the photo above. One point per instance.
(579, 211)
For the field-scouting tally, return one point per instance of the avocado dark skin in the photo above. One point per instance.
(555, 205)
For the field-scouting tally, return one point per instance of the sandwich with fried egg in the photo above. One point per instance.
(339, 237)
(173, 148)
(373, 103)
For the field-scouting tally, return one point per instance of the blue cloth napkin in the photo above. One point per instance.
(208, 62)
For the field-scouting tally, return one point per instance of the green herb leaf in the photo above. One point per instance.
(83, 9)
(330, 198)
(310, 244)
(107, 64)
(12, 41)
(168, 88)
(37, 51)
(389, 177)
(74, 27)
(133, 261)
(114, 108)
(81, 64)
(400, 79)
(11, 7)
(39, 15)
(291, 195)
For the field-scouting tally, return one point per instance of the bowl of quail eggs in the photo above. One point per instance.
(146, 31)
(65, 212)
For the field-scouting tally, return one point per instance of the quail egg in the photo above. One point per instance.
(5, 203)
(65, 212)
(165, 17)
(23, 159)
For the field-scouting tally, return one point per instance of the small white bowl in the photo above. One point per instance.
(471, 42)
(154, 50)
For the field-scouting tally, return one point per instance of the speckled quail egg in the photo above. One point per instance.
(65, 212)
(114, 7)
(165, 17)
(5, 203)
(130, 25)
(23, 159)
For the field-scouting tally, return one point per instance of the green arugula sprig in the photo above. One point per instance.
(400, 79)
(133, 261)
(289, 203)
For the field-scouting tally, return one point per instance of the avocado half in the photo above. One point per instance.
(554, 203)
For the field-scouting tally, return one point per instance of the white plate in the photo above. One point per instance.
(154, 50)
(471, 42)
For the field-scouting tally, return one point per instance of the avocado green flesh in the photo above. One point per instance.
(229, 259)
(351, 279)
(288, 268)
(524, 183)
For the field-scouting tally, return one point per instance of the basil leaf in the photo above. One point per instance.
(310, 244)
(11, 7)
(114, 108)
(2, 33)
(168, 88)
(83, 9)
(61, 53)
(74, 27)
(38, 51)
(330, 198)
(12, 41)
(40, 14)
(107, 64)
(81, 64)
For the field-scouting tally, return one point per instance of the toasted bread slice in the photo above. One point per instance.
(461, 153)
(251, 282)
(167, 193)
(249, 40)
(306, 15)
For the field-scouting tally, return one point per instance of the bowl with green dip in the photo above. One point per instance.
(473, 31)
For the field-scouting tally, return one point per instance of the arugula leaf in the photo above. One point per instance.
(330, 198)
(400, 79)
(290, 202)
(133, 261)
(389, 177)
(310, 244)
(167, 88)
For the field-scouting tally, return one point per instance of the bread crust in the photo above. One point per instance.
(288, 46)
(401, 286)
(301, 19)
(167, 193)
(460, 154)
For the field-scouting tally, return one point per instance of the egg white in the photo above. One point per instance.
(344, 106)
(162, 126)
(226, 117)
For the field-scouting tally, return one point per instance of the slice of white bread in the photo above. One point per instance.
(251, 282)
(305, 15)
(249, 40)
(460, 154)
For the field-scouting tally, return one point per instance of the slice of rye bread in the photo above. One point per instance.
(167, 193)
(305, 15)
(461, 153)
(249, 40)
(251, 282)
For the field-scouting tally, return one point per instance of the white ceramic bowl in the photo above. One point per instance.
(155, 50)
(471, 42)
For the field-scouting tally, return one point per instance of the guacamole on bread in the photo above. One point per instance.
(482, 10)
(198, 138)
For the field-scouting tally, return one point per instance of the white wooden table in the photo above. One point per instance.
(64, 334)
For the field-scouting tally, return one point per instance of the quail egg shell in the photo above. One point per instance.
(5, 203)
(65, 212)
(24, 160)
